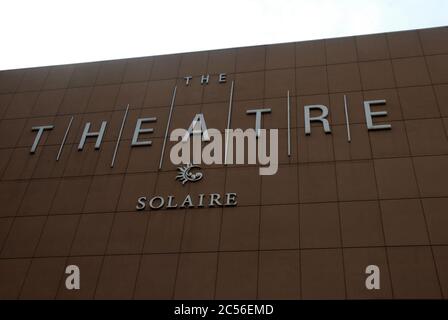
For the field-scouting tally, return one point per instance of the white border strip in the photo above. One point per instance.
(229, 116)
(64, 139)
(167, 127)
(119, 137)
(349, 136)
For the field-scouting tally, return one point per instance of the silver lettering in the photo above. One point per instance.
(188, 203)
(321, 118)
(205, 79)
(187, 80)
(155, 199)
(86, 134)
(201, 200)
(222, 78)
(231, 200)
(40, 130)
(141, 204)
(138, 130)
(198, 121)
(170, 204)
(214, 200)
(258, 113)
(370, 114)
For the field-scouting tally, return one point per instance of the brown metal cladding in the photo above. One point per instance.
(307, 232)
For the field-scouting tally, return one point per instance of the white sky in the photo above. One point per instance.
(50, 32)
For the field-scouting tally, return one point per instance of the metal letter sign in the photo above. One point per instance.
(189, 172)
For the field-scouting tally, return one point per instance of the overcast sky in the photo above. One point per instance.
(46, 32)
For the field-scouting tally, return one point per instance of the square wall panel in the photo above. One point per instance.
(441, 258)
(71, 195)
(280, 188)
(356, 181)
(396, 179)
(434, 41)
(39, 197)
(320, 226)
(344, 77)
(10, 80)
(404, 44)
(279, 227)
(202, 230)
(128, 233)
(404, 223)
(111, 72)
(317, 183)
(442, 98)
(193, 64)
(34, 79)
(311, 80)
(12, 275)
(361, 224)
(418, 102)
(411, 72)
(372, 47)
(280, 56)
(427, 137)
(377, 75)
(11, 194)
(237, 276)
(436, 219)
(57, 236)
(23, 237)
(250, 59)
(413, 273)
(432, 175)
(92, 234)
(240, 228)
(341, 50)
(165, 67)
(196, 276)
(42, 281)
(103, 193)
(164, 233)
(85, 74)
(322, 274)
(138, 70)
(121, 287)
(438, 68)
(279, 275)
(310, 53)
(221, 61)
(156, 276)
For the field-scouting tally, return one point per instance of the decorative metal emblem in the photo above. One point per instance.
(186, 175)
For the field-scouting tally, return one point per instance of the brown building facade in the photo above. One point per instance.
(334, 207)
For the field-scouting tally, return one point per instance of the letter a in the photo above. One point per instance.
(198, 121)
(73, 280)
(373, 280)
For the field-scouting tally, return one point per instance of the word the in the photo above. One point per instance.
(222, 78)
